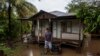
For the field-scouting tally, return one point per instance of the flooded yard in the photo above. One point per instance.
(92, 50)
(94, 47)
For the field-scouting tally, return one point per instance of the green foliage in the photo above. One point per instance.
(12, 52)
(3, 24)
(26, 27)
(19, 10)
(88, 14)
(23, 8)
(15, 28)
(3, 29)
(6, 50)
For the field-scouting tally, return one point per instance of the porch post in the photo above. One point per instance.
(79, 30)
(56, 29)
(50, 24)
(49, 20)
(38, 29)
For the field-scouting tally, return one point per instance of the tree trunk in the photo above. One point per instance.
(88, 38)
(9, 40)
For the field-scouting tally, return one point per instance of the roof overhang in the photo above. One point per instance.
(42, 15)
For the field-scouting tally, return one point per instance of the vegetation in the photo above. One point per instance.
(12, 52)
(19, 9)
(88, 13)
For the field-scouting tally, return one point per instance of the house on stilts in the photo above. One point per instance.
(66, 28)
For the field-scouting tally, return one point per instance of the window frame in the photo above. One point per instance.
(65, 26)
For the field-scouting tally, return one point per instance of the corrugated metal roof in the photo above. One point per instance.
(53, 14)
(58, 13)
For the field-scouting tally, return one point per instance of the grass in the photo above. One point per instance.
(12, 52)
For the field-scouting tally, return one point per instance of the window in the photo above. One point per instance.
(67, 27)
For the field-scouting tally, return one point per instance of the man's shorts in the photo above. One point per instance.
(48, 44)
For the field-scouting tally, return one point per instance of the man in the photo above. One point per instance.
(48, 40)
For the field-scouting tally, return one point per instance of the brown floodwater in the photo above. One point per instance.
(93, 49)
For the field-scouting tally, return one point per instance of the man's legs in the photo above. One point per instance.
(50, 46)
(46, 46)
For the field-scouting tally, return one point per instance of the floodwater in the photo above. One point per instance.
(93, 49)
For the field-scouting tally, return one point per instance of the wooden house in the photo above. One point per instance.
(65, 27)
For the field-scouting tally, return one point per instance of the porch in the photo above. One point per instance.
(72, 35)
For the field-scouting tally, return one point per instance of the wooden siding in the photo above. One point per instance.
(57, 33)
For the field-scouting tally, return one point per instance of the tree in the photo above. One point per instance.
(18, 9)
(23, 8)
(77, 4)
(89, 14)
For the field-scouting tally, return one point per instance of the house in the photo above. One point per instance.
(65, 27)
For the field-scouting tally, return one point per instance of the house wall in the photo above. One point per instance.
(42, 26)
(57, 31)
(76, 30)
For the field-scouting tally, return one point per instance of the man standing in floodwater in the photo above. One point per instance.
(48, 40)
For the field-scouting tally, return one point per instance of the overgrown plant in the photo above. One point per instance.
(19, 9)
(89, 14)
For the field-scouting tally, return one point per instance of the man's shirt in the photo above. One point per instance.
(48, 36)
